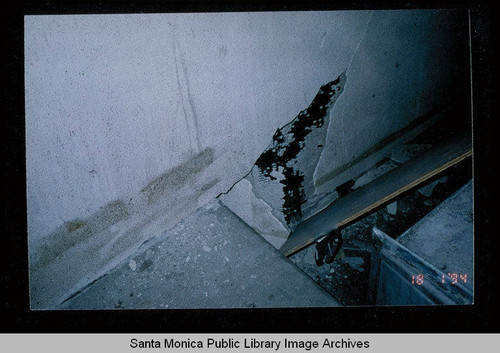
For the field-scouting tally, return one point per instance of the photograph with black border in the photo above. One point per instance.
(248, 166)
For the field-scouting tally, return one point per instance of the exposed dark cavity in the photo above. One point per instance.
(345, 188)
(294, 194)
(382, 162)
(289, 140)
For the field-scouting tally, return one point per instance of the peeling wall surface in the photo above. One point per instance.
(404, 73)
(283, 174)
(135, 121)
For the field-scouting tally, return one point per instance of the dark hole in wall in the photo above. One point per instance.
(284, 149)
(345, 188)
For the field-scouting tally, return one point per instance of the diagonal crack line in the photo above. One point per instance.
(360, 41)
(293, 121)
(83, 289)
(179, 84)
(315, 172)
(190, 99)
(232, 186)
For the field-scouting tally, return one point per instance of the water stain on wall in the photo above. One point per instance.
(179, 175)
(77, 231)
(174, 208)
(143, 211)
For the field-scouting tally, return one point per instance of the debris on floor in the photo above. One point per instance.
(228, 266)
(347, 277)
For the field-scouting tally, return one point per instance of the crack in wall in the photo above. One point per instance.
(289, 142)
(360, 41)
(233, 185)
(190, 115)
(345, 72)
(283, 172)
(190, 98)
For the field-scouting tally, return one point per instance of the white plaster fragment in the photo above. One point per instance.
(278, 174)
(255, 212)
(392, 208)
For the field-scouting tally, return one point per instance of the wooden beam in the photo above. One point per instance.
(382, 190)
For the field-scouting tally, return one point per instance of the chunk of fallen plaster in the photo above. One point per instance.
(132, 264)
(392, 208)
(255, 212)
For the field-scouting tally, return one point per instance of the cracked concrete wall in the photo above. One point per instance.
(135, 121)
(283, 174)
(406, 70)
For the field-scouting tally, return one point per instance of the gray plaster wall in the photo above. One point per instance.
(135, 121)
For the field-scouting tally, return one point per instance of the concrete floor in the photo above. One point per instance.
(211, 259)
(445, 237)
